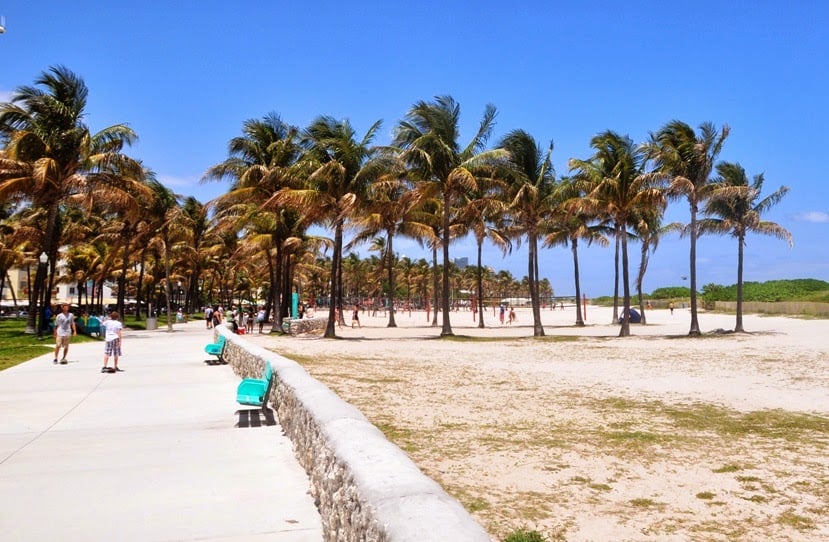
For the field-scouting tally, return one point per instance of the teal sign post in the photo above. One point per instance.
(295, 305)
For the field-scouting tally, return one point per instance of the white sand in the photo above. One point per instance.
(600, 438)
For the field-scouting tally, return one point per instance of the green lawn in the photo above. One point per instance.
(17, 347)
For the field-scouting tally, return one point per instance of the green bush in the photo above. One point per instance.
(770, 291)
(523, 535)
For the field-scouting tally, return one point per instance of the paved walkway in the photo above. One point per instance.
(150, 454)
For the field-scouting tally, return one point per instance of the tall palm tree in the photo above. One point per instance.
(531, 180)
(621, 188)
(389, 208)
(688, 159)
(51, 156)
(429, 137)
(261, 162)
(571, 225)
(341, 170)
(734, 209)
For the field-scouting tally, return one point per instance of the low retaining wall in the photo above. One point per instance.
(365, 487)
(297, 326)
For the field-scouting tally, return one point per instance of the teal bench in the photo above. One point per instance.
(93, 326)
(255, 391)
(216, 349)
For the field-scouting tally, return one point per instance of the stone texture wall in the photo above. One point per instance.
(365, 487)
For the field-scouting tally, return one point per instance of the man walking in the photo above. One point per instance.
(64, 330)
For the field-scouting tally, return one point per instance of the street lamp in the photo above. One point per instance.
(43, 261)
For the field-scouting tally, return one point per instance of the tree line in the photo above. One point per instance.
(76, 196)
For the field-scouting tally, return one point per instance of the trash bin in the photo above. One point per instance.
(152, 323)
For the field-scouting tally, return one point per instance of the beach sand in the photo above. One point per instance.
(585, 436)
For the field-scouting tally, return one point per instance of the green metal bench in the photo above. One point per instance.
(216, 349)
(255, 391)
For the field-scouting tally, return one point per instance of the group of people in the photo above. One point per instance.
(65, 328)
(236, 319)
(510, 317)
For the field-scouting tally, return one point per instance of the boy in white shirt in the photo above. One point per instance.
(112, 347)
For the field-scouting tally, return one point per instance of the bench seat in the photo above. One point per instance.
(217, 349)
(255, 391)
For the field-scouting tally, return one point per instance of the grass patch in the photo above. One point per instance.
(600, 487)
(789, 426)
(17, 346)
(756, 498)
(643, 503)
(706, 495)
(790, 519)
(727, 468)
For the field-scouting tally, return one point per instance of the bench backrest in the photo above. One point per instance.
(267, 374)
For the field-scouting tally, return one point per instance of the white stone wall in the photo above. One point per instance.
(365, 487)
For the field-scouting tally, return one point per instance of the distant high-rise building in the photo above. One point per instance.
(461, 263)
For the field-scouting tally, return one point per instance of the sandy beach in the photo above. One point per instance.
(587, 437)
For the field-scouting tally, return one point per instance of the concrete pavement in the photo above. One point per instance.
(150, 454)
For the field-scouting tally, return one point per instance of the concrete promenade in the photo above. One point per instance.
(155, 453)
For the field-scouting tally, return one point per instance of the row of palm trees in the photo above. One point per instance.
(67, 187)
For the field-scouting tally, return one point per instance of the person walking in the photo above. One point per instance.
(64, 330)
(112, 346)
(355, 317)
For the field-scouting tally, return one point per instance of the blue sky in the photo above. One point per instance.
(186, 75)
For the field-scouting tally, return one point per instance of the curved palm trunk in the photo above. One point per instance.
(739, 327)
(625, 330)
(479, 286)
(444, 296)
(616, 279)
(643, 266)
(390, 263)
(435, 285)
(693, 272)
(579, 316)
(538, 329)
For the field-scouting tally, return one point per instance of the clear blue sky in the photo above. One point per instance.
(186, 74)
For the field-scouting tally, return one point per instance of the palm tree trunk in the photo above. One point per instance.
(335, 310)
(739, 327)
(643, 265)
(167, 287)
(538, 328)
(276, 287)
(444, 297)
(435, 284)
(390, 263)
(616, 280)
(694, 331)
(579, 316)
(625, 329)
(479, 286)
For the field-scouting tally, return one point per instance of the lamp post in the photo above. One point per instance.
(43, 262)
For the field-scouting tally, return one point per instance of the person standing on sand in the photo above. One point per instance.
(671, 306)
(112, 346)
(64, 330)
(355, 317)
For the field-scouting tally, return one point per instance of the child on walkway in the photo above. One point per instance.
(112, 347)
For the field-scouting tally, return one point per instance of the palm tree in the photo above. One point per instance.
(51, 155)
(429, 136)
(687, 159)
(389, 208)
(569, 226)
(734, 209)
(621, 188)
(531, 180)
(340, 172)
(262, 162)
